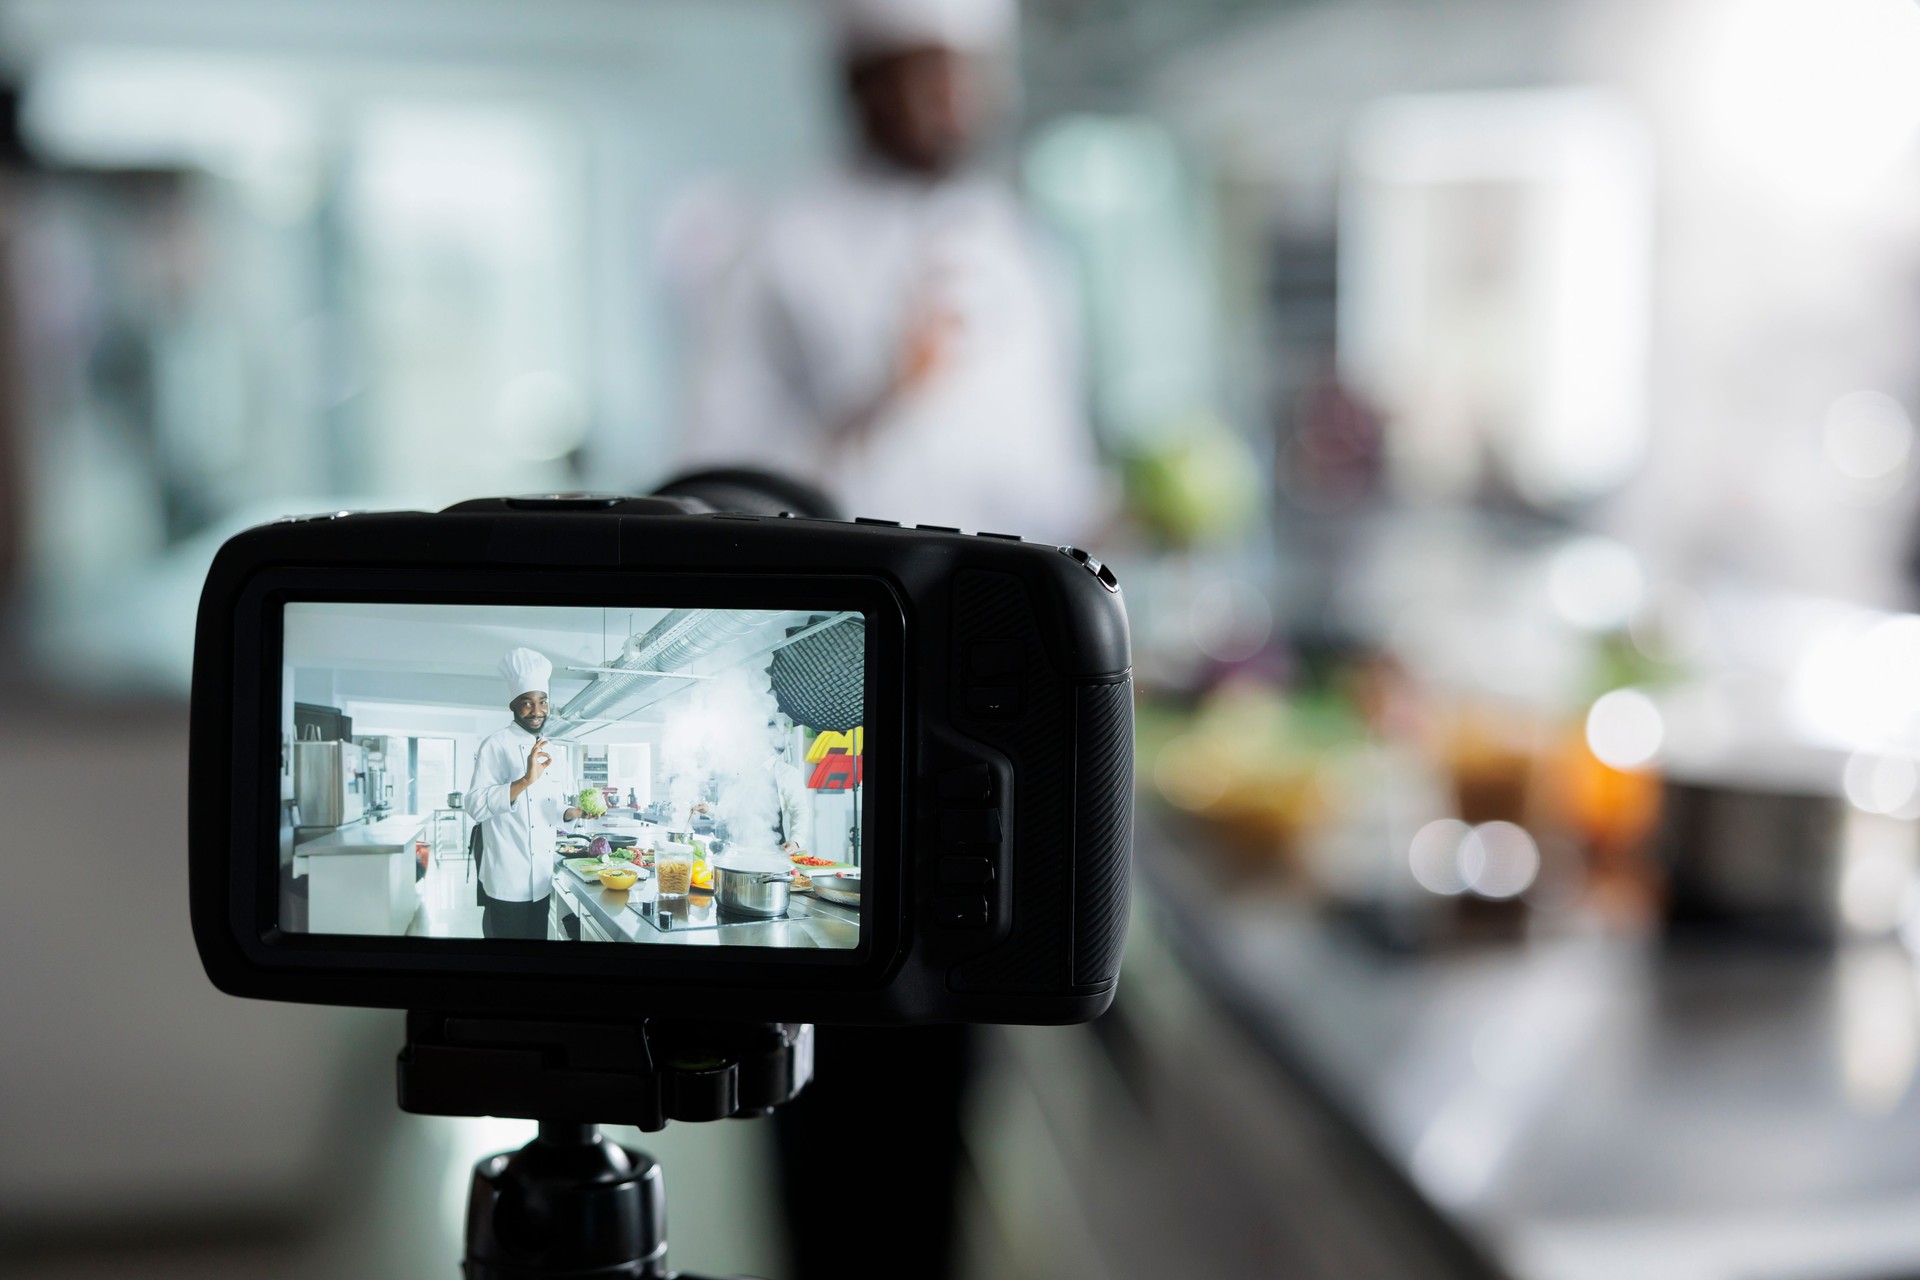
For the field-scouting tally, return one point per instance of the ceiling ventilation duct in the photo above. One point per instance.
(654, 657)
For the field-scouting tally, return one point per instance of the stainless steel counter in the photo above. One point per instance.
(388, 835)
(611, 912)
(1588, 1105)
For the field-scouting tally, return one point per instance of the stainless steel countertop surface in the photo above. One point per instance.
(1589, 1104)
(809, 923)
(388, 835)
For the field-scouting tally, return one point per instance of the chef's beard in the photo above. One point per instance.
(532, 724)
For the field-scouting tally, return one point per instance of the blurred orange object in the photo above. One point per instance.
(1614, 814)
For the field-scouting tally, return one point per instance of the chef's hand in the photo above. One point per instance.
(537, 762)
(574, 814)
(934, 330)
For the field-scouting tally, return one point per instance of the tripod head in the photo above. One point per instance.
(572, 1204)
(641, 1073)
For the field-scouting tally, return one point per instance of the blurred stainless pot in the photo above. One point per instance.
(1759, 857)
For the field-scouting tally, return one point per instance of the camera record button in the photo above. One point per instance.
(960, 873)
(960, 911)
(970, 826)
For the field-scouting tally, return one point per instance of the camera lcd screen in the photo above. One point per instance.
(654, 776)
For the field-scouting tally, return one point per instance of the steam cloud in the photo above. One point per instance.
(717, 733)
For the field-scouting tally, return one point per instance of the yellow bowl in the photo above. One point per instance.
(618, 879)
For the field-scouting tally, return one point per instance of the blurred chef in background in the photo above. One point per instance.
(519, 800)
(794, 802)
(894, 332)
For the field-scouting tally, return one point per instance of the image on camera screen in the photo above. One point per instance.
(660, 776)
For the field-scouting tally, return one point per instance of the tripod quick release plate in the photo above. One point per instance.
(641, 1073)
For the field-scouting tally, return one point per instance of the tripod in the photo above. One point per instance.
(571, 1204)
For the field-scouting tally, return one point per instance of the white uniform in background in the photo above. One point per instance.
(796, 804)
(516, 862)
(810, 329)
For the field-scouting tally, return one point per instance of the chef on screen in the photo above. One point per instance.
(519, 801)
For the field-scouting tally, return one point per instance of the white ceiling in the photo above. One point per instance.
(458, 640)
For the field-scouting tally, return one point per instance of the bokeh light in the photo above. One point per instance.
(1821, 95)
(1434, 856)
(1624, 729)
(1595, 583)
(1867, 436)
(1493, 860)
(1881, 783)
(1498, 860)
(1230, 621)
(1857, 686)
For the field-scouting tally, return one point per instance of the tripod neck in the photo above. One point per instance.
(564, 1133)
(567, 1206)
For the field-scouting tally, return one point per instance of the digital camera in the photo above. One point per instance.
(797, 769)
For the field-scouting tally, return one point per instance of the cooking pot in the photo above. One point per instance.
(841, 886)
(752, 885)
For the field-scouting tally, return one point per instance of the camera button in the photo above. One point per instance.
(960, 911)
(993, 700)
(316, 515)
(974, 782)
(564, 501)
(1093, 566)
(970, 826)
(891, 524)
(1004, 537)
(938, 528)
(962, 873)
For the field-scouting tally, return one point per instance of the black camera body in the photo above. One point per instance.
(996, 803)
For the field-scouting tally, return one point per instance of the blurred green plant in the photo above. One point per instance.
(1198, 484)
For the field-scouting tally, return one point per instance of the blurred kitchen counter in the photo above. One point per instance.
(1587, 1105)
(127, 1080)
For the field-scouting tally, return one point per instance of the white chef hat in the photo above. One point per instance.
(526, 672)
(872, 27)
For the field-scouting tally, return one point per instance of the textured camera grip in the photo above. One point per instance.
(1102, 829)
(1037, 953)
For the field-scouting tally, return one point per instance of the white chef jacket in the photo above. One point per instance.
(808, 331)
(796, 804)
(517, 865)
